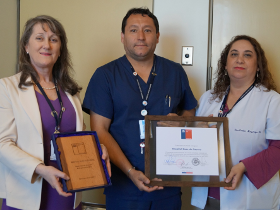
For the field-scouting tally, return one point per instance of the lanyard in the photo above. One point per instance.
(144, 112)
(53, 112)
(221, 111)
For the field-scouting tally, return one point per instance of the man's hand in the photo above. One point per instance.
(139, 179)
(105, 156)
(235, 175)
(172, 123)
(52, 175)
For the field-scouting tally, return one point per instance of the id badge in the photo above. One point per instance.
(142, 129)
(52, 157)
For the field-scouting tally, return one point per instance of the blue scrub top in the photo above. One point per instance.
(113, 93)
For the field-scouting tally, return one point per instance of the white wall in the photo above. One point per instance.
(185, 23)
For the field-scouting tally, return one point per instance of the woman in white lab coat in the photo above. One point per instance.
(246, 94)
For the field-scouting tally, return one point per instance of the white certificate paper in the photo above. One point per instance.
(186, 151)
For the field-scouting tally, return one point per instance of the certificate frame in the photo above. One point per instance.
(87, 159)
(180, 180)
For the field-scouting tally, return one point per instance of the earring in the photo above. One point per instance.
(27, 53)
(257, 73)
(225, 72)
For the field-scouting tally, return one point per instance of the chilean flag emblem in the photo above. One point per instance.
(186, 134)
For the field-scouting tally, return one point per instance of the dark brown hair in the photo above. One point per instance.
(142, 11)
(62, 68)
(264, 76)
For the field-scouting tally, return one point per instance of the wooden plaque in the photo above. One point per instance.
(224, 156)
(80, 159)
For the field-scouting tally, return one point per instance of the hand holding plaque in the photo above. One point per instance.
(79, 156)
(52, 176)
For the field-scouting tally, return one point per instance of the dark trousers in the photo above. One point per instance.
(171, 203)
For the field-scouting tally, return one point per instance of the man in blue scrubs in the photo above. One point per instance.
(119, 96)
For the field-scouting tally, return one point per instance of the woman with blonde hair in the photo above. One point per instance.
(41, 99)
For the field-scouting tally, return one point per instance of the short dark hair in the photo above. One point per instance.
(223, 80)
(142, 11)
(62, 69)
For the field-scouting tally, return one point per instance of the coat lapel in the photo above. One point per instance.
(79, 113)
(30, 104)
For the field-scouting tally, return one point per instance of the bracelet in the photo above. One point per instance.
(130, 170)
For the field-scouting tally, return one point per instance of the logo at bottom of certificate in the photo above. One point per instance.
(187, 172)
(195, 161)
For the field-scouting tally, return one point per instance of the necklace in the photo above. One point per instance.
(144, 112)
(51, 88)
(57, 116)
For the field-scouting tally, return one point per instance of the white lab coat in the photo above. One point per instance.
(253, 120)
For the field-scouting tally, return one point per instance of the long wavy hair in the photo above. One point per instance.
(223, 81)
(62, 69)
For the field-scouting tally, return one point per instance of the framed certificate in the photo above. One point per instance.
(78, 154)
(187, 151)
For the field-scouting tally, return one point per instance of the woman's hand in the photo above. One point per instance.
(235, 175)
(105, 156)
(52, 175)
(206, 124)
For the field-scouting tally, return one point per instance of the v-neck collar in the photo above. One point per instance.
(127, 65)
